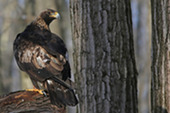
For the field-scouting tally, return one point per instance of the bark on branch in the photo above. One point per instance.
(29, 102)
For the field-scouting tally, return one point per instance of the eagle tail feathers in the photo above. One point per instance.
(61, 95)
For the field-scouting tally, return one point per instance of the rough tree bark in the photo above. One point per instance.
(160, 84)
(105, 69)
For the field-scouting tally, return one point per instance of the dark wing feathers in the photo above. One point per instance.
(35, 58)
(66, 71)
(55, 44)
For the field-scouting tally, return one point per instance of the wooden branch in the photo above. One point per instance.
(29, 102)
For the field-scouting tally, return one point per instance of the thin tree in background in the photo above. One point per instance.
(105, 69)
(141, 16)
(160, 91)
(7, 17)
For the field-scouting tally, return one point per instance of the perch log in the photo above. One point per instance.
(27, 102)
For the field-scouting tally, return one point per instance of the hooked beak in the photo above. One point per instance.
(55, 15)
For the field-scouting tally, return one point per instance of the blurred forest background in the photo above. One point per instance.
(15, 15)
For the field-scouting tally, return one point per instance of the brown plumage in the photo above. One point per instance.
(42, 55)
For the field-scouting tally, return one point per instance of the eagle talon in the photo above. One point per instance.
(44, 93)
(37, 90)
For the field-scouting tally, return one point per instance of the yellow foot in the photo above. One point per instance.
(37, 90)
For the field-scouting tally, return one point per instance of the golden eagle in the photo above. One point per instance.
(43, 56)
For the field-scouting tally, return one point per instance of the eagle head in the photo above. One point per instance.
(49, 15)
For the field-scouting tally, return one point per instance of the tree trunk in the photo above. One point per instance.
(105, 69)
(160, 91)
